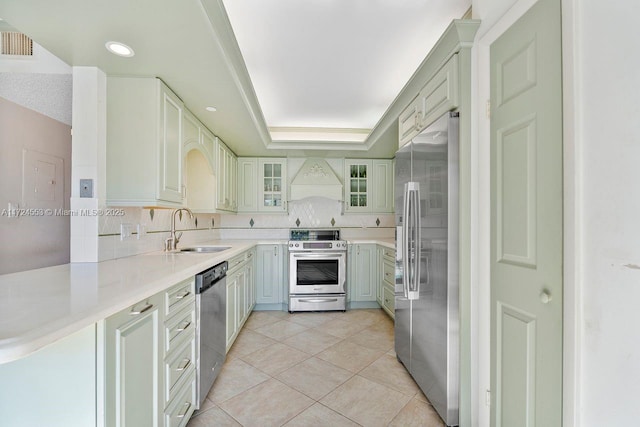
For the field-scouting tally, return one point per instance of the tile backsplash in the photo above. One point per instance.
(155, 225)
(312, 212)
(149, 229)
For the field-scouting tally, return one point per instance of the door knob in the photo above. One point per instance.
(545, 297)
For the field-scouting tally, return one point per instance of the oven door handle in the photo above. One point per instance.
(317, 255)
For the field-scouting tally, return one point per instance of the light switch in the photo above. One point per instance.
(86, 188)
(125, 231)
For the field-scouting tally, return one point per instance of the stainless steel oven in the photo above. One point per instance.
(317, 270)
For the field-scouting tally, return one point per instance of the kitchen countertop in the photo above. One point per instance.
(39, 307)
(388, 243)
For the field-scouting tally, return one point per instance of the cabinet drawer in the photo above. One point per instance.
(388, 299)
(388, 273)
(237, 261)
(179, 296)
(178, 366)
(389, 255)
(182, 326)
(181, 408)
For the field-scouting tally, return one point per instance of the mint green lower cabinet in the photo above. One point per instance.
(240, 293)
(136, 368)
(362, 271)
(53, 387)
(250, 281)
(387, 279)
(232, 297)
(181, 408)
(179, 353)
(271, 277)
(133, 361)
(235, 294)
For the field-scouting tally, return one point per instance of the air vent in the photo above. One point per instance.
(14, 43)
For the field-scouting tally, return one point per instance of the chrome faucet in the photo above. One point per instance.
(172, 241)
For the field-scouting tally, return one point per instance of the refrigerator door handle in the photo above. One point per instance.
(405, 241)
(412, 243)
(418, 249)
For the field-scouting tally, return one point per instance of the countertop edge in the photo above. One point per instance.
(20, 346)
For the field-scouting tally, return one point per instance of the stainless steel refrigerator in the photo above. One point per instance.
(426, 306)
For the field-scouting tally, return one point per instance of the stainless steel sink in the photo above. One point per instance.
(205, 249)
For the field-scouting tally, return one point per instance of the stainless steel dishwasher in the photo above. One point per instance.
(211, 316)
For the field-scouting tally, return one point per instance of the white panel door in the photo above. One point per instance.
(526, 221)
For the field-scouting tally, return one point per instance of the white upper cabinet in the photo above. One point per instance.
(439, 95)
(357, 194)
(382, 188)
(144, 143)
(368, 186)
(272, 185)
(247, 184)
(262, 184)
(226, 169)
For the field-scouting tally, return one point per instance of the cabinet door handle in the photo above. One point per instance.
(185, 325)
(184, 294)
(184, 365)
(185, 409)
(275, 252)
(135, 312)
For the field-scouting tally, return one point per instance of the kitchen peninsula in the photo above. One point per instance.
(53, 327)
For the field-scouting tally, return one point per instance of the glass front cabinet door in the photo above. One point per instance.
(357, 191)
(272, 185)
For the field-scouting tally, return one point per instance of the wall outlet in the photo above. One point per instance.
(142, 231)
(125, 231)
(86, 188)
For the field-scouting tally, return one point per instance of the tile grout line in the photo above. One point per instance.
(369, 328)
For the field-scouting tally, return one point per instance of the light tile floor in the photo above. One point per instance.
(315, 369)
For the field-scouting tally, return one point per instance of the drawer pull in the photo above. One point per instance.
(318, 300)
(184, 365)
(250, 255)
(387, 274)
(185, 325)
(135, 312)
(184, 294)
(185, 409)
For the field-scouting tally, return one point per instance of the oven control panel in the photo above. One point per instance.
(297, 245)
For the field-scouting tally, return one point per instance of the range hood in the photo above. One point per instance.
(316, 179)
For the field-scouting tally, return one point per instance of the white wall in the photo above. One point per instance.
(602, 207)
(33, 240)
(42, 62)
(41, 82)
(608, 132)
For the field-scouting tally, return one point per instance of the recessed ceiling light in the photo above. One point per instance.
(212, 109)
(119, 49)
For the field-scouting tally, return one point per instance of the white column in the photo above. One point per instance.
(88, 159)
